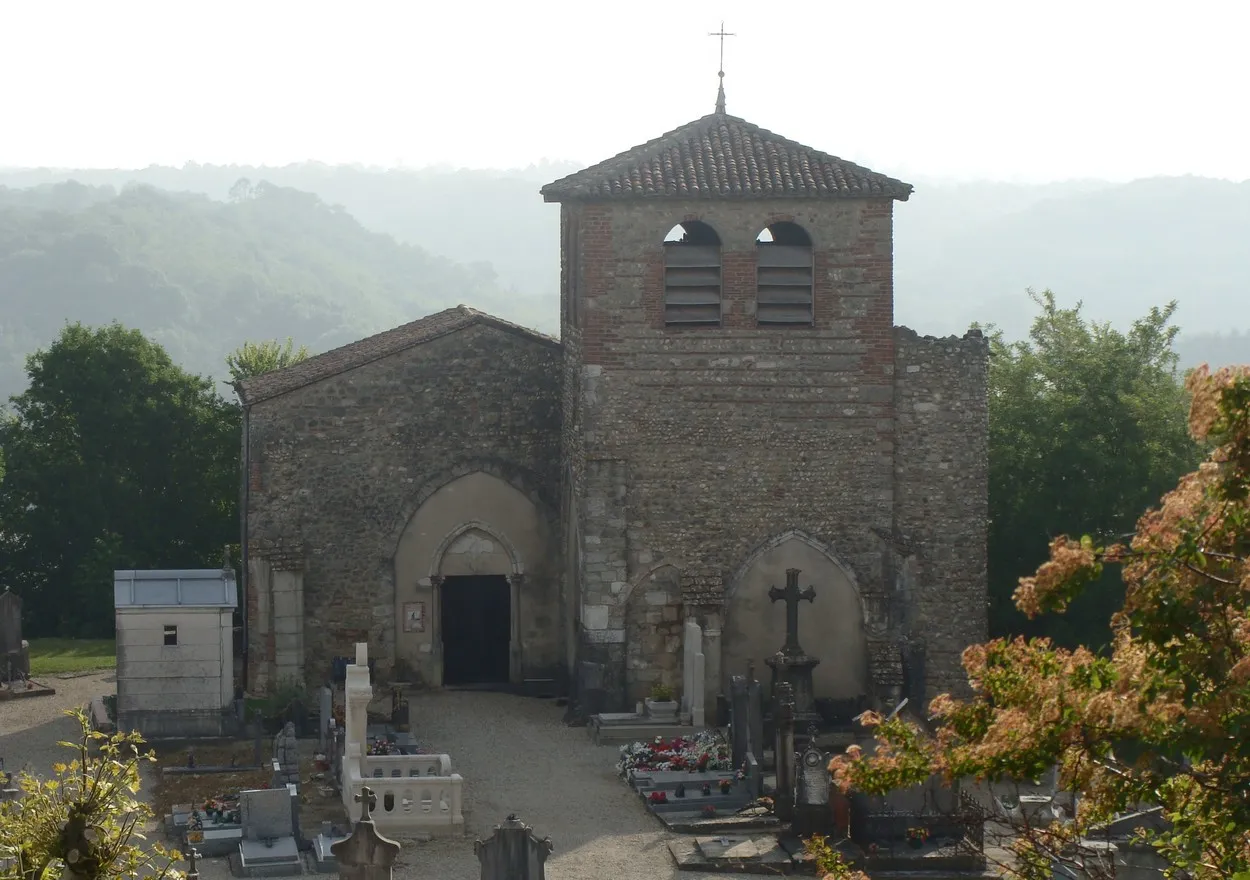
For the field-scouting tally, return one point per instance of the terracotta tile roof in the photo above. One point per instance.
(721, 156)
(364, 351)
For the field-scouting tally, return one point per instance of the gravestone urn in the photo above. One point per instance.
(792, 664)
(513, 853)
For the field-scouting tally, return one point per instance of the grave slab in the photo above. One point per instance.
(694, 822)
(697, 803)
(735, 854)
(640, 731)
(278, 858)
(669, 779)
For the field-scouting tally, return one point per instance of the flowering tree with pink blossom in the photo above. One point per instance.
(1160, 718)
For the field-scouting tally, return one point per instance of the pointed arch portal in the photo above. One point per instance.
(462, 610)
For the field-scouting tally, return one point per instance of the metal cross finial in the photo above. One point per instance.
(720, 92)
(367, 800)
(192, 855)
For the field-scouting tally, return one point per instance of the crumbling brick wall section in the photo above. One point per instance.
(941, 498)
(339, 466)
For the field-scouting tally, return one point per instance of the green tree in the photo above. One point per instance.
(1158, 719)
(115, 458)
(87, 821)
(1087, 428)
(254, 358)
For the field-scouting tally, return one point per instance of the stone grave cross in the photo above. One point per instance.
(366, 855)
(792, 596)
(368, 801)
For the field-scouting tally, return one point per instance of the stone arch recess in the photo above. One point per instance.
(521, 479)
(825, 550)
(816, 544)
(436, 561)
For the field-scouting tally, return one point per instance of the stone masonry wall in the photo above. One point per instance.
(727, 436)
(340, 466)
(941, 496)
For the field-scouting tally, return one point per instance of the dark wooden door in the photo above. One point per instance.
(477, 628)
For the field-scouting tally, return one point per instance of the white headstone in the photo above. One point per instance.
(691, 678)
(362, 653)
(697, 714)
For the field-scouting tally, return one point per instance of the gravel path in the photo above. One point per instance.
(517, 756)
(31, 728)
(514, 753)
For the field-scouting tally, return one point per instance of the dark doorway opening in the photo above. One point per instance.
(477, 628)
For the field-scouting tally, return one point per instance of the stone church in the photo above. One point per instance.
(728, 398)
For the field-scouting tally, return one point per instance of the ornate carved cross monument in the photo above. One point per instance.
(792, 664)
(792, 596)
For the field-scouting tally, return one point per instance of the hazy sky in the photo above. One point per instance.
(962, 88)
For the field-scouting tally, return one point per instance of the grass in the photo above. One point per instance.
(56, 656)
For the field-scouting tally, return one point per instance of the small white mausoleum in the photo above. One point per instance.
(175, 651)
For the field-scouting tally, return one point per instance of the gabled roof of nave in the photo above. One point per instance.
(372, 348)
(721, 156)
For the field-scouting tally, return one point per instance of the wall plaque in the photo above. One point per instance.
(414, 617)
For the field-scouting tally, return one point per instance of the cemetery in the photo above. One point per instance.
(748, 805)
(738, 798)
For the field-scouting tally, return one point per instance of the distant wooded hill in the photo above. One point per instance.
(201, 276)
(330, 253)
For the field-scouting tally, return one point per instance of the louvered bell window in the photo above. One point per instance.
(784, 276)
(692, 275)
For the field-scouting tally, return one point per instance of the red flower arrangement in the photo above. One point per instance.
(659, 797)
(702, 752)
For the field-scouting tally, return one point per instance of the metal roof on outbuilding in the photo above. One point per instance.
(176, 588)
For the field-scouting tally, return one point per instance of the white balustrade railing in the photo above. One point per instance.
(415, 802)
(394, 766)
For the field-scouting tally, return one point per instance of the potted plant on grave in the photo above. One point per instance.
(917, 836)
(660, 705)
